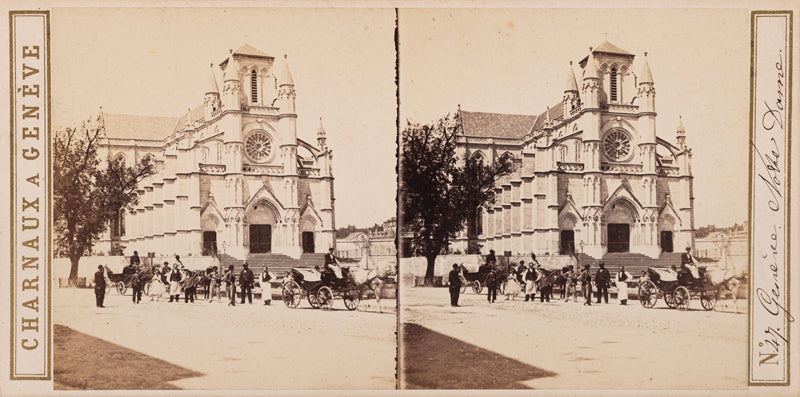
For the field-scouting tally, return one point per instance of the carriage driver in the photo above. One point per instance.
(331, 266)
(687, 263)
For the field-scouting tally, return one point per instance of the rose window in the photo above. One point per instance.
(617, 145)
(258, 147)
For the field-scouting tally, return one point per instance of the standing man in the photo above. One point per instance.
(602, 279)
(622, 285)
(586, 284)
(246, 280)
(492, 284)
(569, 284)
(175, 283)
(230, 285)
(266, 286)
(137, 284)
(454, 281)
(99, 286)
(213, 285)
(530, 284)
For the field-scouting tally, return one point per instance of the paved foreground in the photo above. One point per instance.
(247, 346)
(558, 345)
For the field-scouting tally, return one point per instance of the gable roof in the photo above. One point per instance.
(198, 113)
(609, 48)
(556, 111)
(248, 50)
(128, 126)
(496, 125)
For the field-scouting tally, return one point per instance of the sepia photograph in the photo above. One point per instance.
(573, 198)
(224, 199)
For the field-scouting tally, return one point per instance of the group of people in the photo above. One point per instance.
(532, 278)
(176, 279)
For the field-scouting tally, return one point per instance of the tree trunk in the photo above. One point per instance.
(429, 270)
(73, 269)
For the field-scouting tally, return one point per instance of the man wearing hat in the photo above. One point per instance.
(230, 285)
(331, 266)
(246, 280)
(602, 279)
(175, 283)
(454, 281)
(586, 285)
(99, 286)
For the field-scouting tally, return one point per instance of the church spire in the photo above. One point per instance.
(591, 68)
(572, 84)
(231, 86)
(647, 75)
(285, 77)
(680, 133)
(212, 87)
(321, 136)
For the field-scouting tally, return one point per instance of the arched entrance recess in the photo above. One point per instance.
(619, 222)
(262, 222)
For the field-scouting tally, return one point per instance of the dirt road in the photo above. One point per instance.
(557, 345)
(247, 346)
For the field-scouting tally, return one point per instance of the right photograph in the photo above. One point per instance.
(573, 198)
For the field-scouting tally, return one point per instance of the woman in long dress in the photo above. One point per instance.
(156, 288)
(512, 286)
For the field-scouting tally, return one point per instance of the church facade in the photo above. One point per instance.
(591, 175)
(232, 177)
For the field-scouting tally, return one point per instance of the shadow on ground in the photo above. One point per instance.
(82, 361)
(435, 361)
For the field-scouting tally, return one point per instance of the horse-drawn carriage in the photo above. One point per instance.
(677, 289)
(119, 281)
(474, 279)
(318, 290)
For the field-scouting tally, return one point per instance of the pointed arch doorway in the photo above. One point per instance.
(261, 222)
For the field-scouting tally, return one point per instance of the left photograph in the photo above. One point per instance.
(223, 199)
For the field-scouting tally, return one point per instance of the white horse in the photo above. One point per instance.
(726, 280)
(373, 279)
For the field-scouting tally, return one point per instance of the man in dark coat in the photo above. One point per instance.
(586, 284)
(602, 279)
(136, 284)
(492, 284)
(99, 286)
(230, 285)
(246, 280)
(454, 281)
(491, 258)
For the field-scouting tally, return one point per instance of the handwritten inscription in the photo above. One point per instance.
(769, 265)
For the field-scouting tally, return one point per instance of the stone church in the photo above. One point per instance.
(232, 175)
(591, 174)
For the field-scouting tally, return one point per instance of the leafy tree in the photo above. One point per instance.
(437, 195)
(87, 196)
(476, 182)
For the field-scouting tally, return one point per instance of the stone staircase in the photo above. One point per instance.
(278, 264)
(634, 264)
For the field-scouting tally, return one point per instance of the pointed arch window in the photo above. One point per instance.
(614, 95)
(253, 86)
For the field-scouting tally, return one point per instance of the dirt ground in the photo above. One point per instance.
(558, 345)
(243, 347)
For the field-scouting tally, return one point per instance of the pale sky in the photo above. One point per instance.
(515, 61)
(156, 62)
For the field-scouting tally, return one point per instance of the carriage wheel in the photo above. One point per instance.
(312, 300)
(121, 288)
(291, 294)
(708, 299)
(681, 297)
(351, 298)
(477, 287)
(325, 298)
(464, 283)
(669, 301)
(648, 294)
